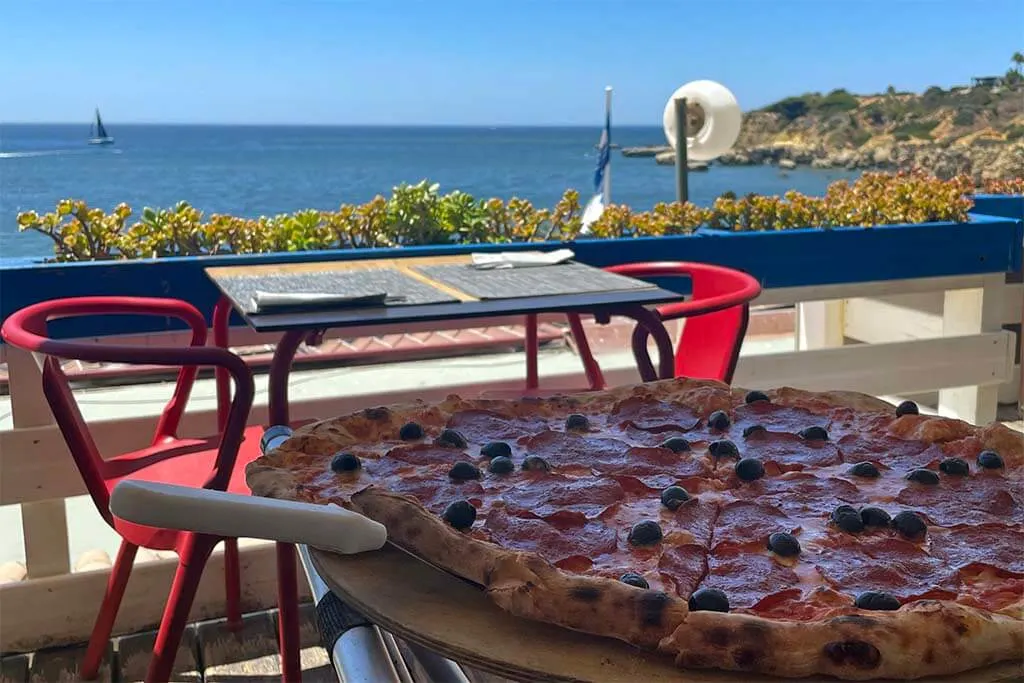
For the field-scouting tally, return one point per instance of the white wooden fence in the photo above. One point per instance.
(966, 358)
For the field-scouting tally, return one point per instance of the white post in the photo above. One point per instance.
(607, 190)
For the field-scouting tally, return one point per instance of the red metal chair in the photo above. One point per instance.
(208, 462)
(717, 314)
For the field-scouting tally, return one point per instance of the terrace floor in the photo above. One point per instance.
(209, 653)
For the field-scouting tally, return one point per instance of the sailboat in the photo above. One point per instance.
(98, 134)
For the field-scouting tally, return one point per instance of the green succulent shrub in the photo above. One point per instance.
(419, 214)
(1007, 186)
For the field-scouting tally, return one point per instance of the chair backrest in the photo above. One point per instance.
(26, 329)
(716, 316)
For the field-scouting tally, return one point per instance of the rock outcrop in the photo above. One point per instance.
(976, 131)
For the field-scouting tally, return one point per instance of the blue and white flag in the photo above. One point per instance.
(595, 207)
(604, 153)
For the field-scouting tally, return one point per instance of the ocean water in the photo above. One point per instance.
(264, 170)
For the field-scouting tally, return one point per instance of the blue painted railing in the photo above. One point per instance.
(1005, 206)
(787, 258)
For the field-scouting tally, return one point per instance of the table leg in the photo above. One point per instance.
(221, 339)
(648, 322)
(532, 352)
(287, 577)
(280, 368)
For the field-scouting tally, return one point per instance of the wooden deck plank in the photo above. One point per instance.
(249, 653)
(61, 665)
(134, 652)
(14, 669)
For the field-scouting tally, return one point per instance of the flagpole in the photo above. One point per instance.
(607, 191)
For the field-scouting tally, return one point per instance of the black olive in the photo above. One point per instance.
(634, 579)
(753, 396)
(676, 444)
(461, 514)
(865, 469)
(501, 465)
(909, 524)
(496, 449)
(449, 438)
(753, 430)
(749, 469)
(784, 544)
(990, 460)
(674, 496)
(923, 476)
(847, 519)
(719, 420)
(645, 533)
(577, 422)
(410, 431)
(957, 467)
(723, 448)
(877, 601)
(464, 471)
(709, 600)
(535, 463)
(872, 516)
(907, 408)
(345, 462)
(814, 433)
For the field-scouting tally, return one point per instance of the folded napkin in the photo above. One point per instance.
(521, 259)
(268, 302)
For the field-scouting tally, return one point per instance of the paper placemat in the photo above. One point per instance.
(343, 282)
(514, 283)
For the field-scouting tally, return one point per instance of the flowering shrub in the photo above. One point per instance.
(419, 214)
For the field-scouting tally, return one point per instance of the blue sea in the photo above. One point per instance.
(264, 170)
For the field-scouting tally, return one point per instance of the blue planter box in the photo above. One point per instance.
(788, 258)
(1005, 206)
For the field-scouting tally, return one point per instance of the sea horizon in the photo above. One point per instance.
(254, 170)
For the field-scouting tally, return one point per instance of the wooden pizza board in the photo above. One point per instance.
(420, 603)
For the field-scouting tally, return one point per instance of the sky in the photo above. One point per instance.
(466, 62)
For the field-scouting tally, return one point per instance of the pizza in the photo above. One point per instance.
(784, 532)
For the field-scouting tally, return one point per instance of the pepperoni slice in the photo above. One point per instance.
(435, 493)
(643, 437)
(882, 562)
(897, 454)
(976, 499)
(696, 517)
(481, 426)
(748, 522)
(746, 578)
(790, 452)
(801, 494)
(588, 496)
(561, 450)
(775, 418)
(658, 468)
(995, 545)
(653, 415)
(682, 568)
(426, 454)
(590, 540)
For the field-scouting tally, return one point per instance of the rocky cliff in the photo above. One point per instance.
(974, 130)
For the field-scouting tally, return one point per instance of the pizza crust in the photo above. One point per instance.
(923, 638)
(926, 637)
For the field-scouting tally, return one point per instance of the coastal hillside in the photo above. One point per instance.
(977, 129)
